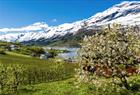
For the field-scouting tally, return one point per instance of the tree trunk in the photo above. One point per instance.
(124, 82)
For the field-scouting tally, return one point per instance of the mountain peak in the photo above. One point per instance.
(126, 13)
(127, 3)
(40, 23)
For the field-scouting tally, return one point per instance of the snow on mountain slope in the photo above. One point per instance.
(41, 31)
(54, 31)
(11, 37)
(126, 13)
(34, 27)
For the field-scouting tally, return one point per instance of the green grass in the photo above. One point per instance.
(54, 69)
(70, 87)
(51, 69)
(61, 79)
(13, 58)
(16, 54)
(66, 87)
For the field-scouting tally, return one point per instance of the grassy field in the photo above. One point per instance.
(65, 87)
(15, 58)
(37, 70)
(60, 79)
(70, 87)
(16, 54)
(45, 65)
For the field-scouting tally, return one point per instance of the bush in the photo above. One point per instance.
(2, 51)
(110, 53)
(36, 50)
(11, 77)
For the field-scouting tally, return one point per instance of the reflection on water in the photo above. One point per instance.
(72, 54)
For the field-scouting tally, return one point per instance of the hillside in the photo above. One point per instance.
(126, 13)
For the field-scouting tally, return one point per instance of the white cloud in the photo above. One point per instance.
(54, 20)
(33, 27)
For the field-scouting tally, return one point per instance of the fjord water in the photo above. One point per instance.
(72, 54)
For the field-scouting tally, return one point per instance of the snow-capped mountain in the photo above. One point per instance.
(126, 13)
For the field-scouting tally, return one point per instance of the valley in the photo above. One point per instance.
(41, 33)
(52, 76)
(99, 55)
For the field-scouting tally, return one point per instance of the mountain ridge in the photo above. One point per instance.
(126, 13)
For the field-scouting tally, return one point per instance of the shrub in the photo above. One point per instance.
(109, 53)
(11, 76)
(2, 51)
(36, 50)
(3, 77)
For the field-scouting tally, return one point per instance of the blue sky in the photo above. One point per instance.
(17, 13)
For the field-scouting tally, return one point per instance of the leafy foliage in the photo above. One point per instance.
(20, 48)
(36, 50)
(2, 51)
(17, 71)
(110, 53)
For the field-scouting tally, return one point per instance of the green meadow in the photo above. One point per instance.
(59, 79)
(115, 70)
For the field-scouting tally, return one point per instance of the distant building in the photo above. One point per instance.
(45, 56)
